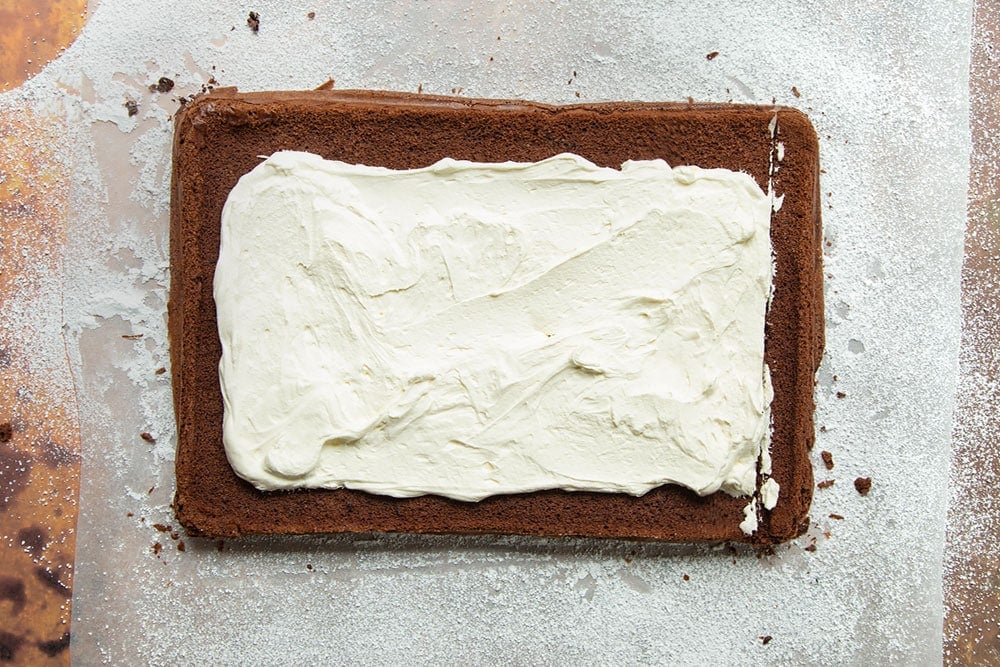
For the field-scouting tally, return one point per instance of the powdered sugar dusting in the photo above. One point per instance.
(887, 93)
(973, 554)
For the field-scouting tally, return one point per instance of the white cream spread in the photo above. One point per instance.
(471, 329)
(769, 493)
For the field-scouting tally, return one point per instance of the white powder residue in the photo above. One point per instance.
(888, 94)
(972, 589)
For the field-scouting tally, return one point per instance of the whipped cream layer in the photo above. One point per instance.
(471, 329)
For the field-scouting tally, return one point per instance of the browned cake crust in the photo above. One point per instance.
(219, 138)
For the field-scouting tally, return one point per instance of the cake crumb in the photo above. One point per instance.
(157, 548)
(309, 566)
(162, 528)
(810, 547)
(147, 436)
(129, 514)
(160, 371)
(163, 85)
(712, 55)
(131, 336)
(6, 432)
(765, 639)
(837, 517)
(311, 15)
(180, 546)
(132, 107)
(827, 459)
(420, 87)
(253, 20)
(795, 91)
(841, 394)
(825, 484)
(687, 577)
(863, 485)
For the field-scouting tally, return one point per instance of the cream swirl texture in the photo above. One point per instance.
(471, 329)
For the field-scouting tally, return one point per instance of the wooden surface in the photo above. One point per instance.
(39, 432)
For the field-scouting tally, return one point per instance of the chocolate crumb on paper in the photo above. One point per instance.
(837, 517)
(163, 85)
(132, 107)
(795, 91)
(712, 56)
(148, 437)
(827, 459)
(825, 484)
(765, 639)
(863, 485)
(253, 20)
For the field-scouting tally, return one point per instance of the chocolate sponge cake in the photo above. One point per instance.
(221, 136)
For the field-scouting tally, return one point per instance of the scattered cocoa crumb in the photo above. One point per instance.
(766, 639)
(827, 459)
(491, 58)
(863, 485)
(6, 432)
(420, 88)
(163, 85)
(132, 107)
(795, 91)
(157, 548)
(827, 534)
(578, 93)
(162, 528)
(687, 577)
(822, 429)
(628, 559)
(309, 566)
(810, 547)
(835, 378)
(129, 514)
(160, 371)
(837, 517)
(825, 484)
(151, 489)
(131, 336)
(254, 22)
(147, 436)
(841, 394)
(712, 55)
(174, 535)
(180, 546)
(311, 15)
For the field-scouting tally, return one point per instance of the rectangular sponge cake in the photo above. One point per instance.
(221, 136)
